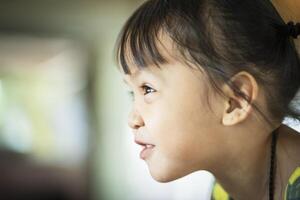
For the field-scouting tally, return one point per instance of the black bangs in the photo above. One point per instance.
(179, 20)
(138, 40)
(220, 37)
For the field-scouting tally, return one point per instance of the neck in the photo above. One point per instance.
(247, 170)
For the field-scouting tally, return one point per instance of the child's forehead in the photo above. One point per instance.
(136, 72)
(166, 47)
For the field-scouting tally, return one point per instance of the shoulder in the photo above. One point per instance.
(289, 147)
(289, 142)
(292, 190)
(218, 193)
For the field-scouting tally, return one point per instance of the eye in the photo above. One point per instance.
(147, 89)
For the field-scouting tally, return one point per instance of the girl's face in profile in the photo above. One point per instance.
(170, 111)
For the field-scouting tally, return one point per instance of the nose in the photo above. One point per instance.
(135, 120)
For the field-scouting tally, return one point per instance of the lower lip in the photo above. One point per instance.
(146, 152)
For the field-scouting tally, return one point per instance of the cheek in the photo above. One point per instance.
(180, 128)
(182, 147)
(184, 130)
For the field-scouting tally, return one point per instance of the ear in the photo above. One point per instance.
(236, 108)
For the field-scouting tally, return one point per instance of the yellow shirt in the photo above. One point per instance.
(292, 190)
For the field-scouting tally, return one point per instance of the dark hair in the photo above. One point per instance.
(223, 37)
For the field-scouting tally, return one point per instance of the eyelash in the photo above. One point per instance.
(147, 87)
(143, 87)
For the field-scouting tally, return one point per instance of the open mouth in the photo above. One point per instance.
(146, 152)
(147, 149)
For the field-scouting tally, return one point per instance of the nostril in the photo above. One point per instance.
(134, 125)
(135, 120)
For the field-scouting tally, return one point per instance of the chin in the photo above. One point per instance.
(168, 175)
(164, 179)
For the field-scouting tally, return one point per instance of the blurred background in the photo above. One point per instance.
(63, 108)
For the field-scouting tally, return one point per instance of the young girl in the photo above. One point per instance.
(212, 81)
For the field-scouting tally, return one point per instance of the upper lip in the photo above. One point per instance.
(141, 142)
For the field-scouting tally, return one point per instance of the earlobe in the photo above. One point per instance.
(237, 108)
